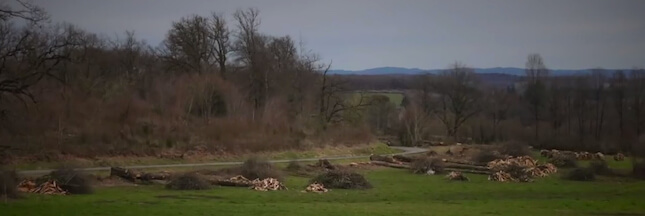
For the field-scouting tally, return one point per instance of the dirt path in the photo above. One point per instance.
(406, 150)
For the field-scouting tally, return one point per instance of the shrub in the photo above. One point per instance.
(580, 174)
(188, 181)
(8, 184)
(423, 164)
(342, 179)
(294, 166)
(564, 161)
(514, 148)
(638, 170)
(254, 168)
(485, 156)
(600, 167)
(72, 181)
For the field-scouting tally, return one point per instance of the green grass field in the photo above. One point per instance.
(395, 192)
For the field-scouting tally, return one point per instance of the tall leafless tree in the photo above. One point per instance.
(535, 92)
(458, 97)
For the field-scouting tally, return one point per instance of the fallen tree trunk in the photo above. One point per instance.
(469, 171)
(125, 173)
(465, 166)
(464, 162)
(231, 183)
(393, 165)
(403, 158)
(387, 159)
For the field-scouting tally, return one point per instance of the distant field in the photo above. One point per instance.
(395, 97)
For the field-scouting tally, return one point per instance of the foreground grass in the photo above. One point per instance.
(395, 192)
(375, 148)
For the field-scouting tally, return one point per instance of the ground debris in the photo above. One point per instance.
(26, 186)
(316, 188)
(50, 188)
(267, 184)
(456, 176)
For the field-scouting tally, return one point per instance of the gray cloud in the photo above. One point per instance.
(360, 34)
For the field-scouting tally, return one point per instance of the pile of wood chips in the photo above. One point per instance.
(316, 188)
(49, 187)
(267, 184)
(456, 176)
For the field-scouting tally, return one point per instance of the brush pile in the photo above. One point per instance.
(267, 184)
(26, 186)
(519, 169)
(456, 176)
(316, 188)
(49, 187)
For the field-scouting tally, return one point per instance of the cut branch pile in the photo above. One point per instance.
(26, 186)
(519, 169)
(456, 176)
(316, 188)
(267, 184)
(50, 188)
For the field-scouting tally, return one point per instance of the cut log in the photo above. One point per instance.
(387, 159)
(229, 183)
(155, 176)
(393, 165)
(468, 171)
(465, 166)
(403, 158)
(125, 173)
(464, 162)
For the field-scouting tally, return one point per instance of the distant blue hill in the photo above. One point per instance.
(411, 71)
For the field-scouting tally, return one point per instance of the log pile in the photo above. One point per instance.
(267, 184)
(136, 176)
(456, 176)
(382, 158)
(236, 181)
(501, 176)
(26, 186)
(504, 164)
(50, 188)
(403, 158)
(316, 188)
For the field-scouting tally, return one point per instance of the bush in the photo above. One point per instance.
(638, 170)
(580, 174)
(294, 166)
(564, 161)
(188, 181)
(72, 181)
(485, 156)
(600, 167)
(254, 168)
(342, 179)
(514, 148)
(8, 184)
(423, 164)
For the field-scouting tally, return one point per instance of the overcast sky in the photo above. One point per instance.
(360, 34)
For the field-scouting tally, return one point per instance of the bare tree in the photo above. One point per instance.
(458, 97)
(334, 100)
(618, 90)
(219, 35)
(25, 11)
(535, 92)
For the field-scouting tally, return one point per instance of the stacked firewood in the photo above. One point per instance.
(267, 184)
(456, 176)
(579, 155)
(316, 188)
(50, 188)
